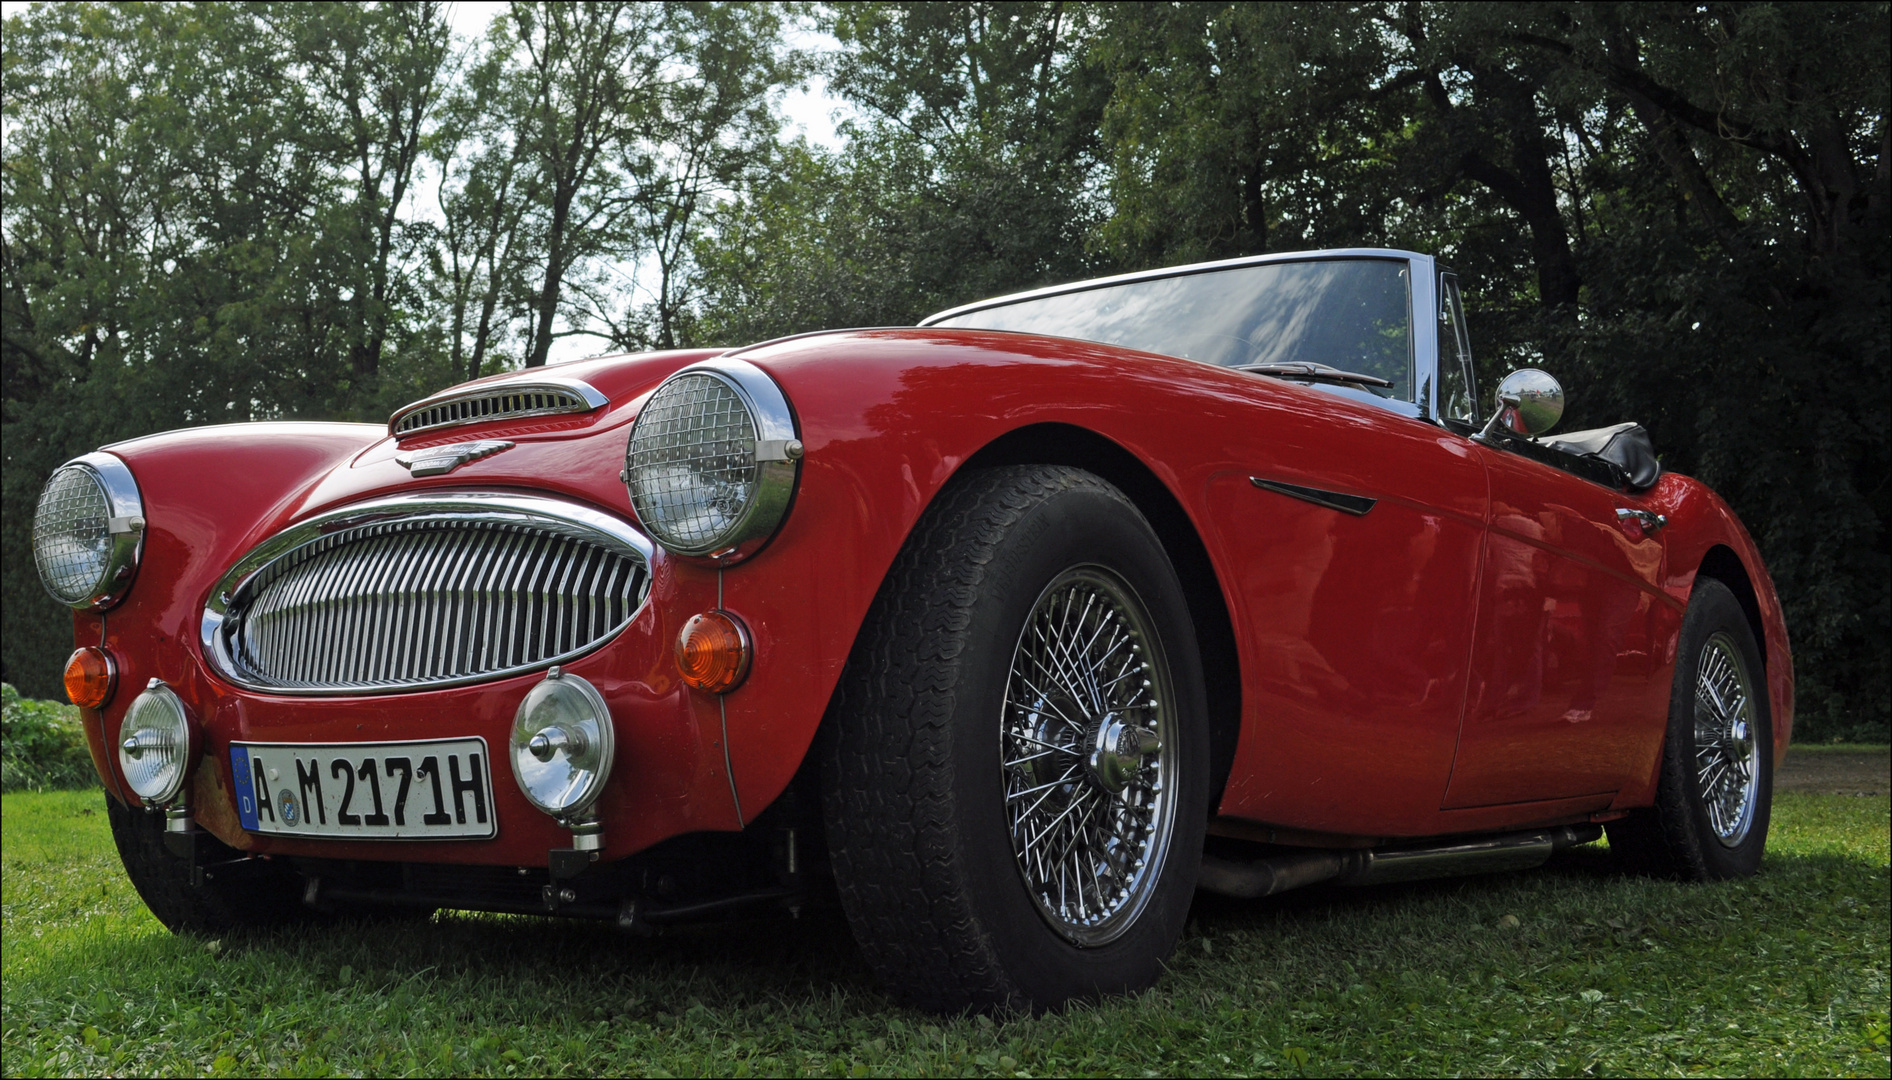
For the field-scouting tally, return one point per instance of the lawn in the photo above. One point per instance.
(1568, 969)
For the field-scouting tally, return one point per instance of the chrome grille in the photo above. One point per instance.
(435, 597)
(511, 402)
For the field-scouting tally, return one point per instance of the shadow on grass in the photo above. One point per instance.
(1579, 896)
(526, 969)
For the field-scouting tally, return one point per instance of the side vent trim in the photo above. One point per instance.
(1357, 505)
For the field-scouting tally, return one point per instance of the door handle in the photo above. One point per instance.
(1650, 522)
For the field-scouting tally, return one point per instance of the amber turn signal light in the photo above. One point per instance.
(713, 652)
(90, 676)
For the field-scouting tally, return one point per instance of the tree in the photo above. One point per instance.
(1681, 210)
(971, 171)
(587, 89)
(714, 133)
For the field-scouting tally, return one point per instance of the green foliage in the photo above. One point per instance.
(42, 745)
(970, 170)
(1570, 969)
(210, 215)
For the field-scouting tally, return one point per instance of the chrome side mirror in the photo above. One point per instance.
(1530, 402)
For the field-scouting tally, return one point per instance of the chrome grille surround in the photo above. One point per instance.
(420, 592)
(496, 404)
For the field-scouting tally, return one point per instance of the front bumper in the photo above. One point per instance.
(669, 777)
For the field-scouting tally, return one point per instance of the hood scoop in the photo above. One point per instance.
(496, 404)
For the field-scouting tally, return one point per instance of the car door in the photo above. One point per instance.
(1352, 539)
(1358, 624)
(1570, 673)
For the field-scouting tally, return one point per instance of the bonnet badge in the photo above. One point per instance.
(440, 460)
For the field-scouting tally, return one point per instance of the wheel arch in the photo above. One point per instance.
(1723, 565)
(1080, 448)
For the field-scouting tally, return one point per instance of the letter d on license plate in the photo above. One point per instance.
(440, 789)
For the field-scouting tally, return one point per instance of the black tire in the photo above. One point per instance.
(1678, 837)
(914, 789)
(262, 896)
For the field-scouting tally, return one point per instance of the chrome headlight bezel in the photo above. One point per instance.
(156, 721)
(777, 454)
(123, 530)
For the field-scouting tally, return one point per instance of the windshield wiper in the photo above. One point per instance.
(1310, 372)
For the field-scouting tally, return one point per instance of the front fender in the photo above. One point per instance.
(887, 418)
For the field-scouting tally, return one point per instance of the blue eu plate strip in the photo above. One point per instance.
(245, 786)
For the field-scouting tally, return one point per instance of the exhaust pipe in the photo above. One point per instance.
(1248, 880)
(1265, 877)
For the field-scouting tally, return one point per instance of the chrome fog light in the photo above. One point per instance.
(562, 743)
(154, 753)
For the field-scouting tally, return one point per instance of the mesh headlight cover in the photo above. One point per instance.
(71, 538)
(691, 465)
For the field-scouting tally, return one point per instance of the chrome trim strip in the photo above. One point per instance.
(561, 395)
(536, 530)
(1357, 505)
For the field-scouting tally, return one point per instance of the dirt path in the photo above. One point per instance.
(1830, 772)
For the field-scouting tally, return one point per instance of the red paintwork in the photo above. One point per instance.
(1575, 644)
(1395, 678)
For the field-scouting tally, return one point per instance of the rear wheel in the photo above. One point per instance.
(1713, 797)
(1016, 781)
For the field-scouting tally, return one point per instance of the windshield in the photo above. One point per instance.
(1350, 314)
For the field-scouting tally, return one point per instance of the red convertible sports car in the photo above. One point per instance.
(1009, 631)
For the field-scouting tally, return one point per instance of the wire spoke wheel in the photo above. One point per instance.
(1724, 740)
(1017, 784)
(1086, 731)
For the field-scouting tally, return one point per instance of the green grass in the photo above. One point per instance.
(1564, 970)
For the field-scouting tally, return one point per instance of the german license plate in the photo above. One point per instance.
(440, 789)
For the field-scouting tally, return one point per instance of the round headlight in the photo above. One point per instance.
(154, 751)
(87, 532)
(561, 745)
(711, 460)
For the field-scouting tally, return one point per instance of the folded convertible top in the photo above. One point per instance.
(1626, 446)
